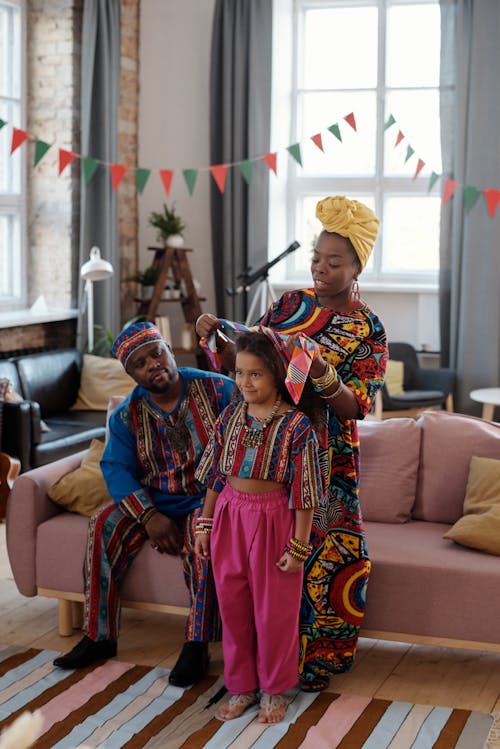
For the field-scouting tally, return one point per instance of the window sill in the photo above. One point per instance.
(23, 317)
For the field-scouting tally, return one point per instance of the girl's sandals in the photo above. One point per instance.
(272, 708)
(236, 706)
(318, 684)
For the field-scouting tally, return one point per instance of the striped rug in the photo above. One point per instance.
(118, 704)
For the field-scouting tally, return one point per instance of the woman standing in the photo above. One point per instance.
(347, 375)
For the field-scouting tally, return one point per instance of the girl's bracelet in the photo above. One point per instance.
(298, 555)
(301, 546)
(203, 525)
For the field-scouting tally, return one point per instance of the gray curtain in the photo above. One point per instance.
(240, 116)
(100, 81)
(470, 241)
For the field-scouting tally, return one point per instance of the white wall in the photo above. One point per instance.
(174, 133)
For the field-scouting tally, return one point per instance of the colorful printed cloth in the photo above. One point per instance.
(336, 573)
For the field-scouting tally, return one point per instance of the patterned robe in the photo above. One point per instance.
(336, 573)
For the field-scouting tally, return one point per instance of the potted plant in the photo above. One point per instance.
(169, 226)
(147, 279)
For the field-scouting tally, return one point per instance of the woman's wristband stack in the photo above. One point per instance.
(203, 525)
(327, 379)
(298, 550)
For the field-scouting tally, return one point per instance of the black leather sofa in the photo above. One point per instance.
(48, 383)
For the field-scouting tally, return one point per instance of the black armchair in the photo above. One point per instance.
(422, 387)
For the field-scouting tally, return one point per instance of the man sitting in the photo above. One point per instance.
(156, 438)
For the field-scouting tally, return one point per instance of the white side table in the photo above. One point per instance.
(489, 397)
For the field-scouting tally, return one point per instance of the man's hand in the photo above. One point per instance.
(164, 534)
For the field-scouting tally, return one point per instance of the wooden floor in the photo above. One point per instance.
(389, 670)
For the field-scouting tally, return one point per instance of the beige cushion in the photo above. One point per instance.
(480, 525)
(83, 491)
(394, 376)
(101, 378)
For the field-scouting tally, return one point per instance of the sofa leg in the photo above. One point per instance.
(65, 617)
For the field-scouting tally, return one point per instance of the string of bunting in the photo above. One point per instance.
(117, 172)
(449, 186)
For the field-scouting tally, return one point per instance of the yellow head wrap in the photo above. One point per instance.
(350, 219)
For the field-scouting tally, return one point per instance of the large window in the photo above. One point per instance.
(374, 58)
(12, 185)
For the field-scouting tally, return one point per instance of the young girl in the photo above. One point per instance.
(264, 481)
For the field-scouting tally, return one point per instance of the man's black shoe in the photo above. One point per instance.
(86, 652)
(191, 666)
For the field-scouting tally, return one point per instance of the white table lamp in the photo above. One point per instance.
(95, 269)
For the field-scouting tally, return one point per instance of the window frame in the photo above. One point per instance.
(299, 186)
(17, 201)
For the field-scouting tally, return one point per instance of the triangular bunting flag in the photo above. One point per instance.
(246, 168)
(399, 138)
(471, 194)
(270, 159)
(89, 168)
(335, 130)
(294, 150)
(118, 172)
(409, 153)
(450, 187)
(41, 149)
(390, 122)
(219, 173)
(420, 166)
(432, 180)
(65, 158)
(349, 118)
(141, 178)
(492, 200)
(166, 176)
(18, 138)
(190, 176)
(2, 123)
(318, 141)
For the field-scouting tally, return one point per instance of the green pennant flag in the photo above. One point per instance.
(41, 149)
(190, 176)
(432, 181)
(246, 168)
(2, 123)
(141, 178)
(89, 168)
(294, 151)
(390, 122)
(471, 194)
(409, 153)
(335, 130)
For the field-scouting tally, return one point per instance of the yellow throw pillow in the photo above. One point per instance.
(479, 527)
(394, 377)
(101, 378)
(84, 490)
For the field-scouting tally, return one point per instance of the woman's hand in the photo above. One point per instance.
(206, 324)
(202, 545)
(288, 564)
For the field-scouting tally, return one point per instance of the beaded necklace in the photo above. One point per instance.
(254, 436)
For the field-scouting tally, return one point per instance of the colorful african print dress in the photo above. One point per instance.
(336, 574)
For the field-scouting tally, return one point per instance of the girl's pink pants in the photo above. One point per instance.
(259, 603)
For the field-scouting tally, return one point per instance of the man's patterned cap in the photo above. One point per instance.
(132, 338)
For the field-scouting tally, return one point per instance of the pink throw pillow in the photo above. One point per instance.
(389, 457)
(448, 442)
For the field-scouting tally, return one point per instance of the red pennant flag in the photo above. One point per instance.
(399, 139)
(450, 187)
(419, 168)
(219, 173)
(318, 141)
(18, 138)
(270, 159)
(65, 158)
(349, 118)
(166, 176)
(118, 172)
(492, 200)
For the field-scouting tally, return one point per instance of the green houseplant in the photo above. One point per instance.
(169, 226)
(147, 279)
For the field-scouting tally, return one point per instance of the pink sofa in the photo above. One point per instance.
(413, 481)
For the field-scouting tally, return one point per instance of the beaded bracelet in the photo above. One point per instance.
(301, 546)
(326, 380)
(203, 525)
(298, 555)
